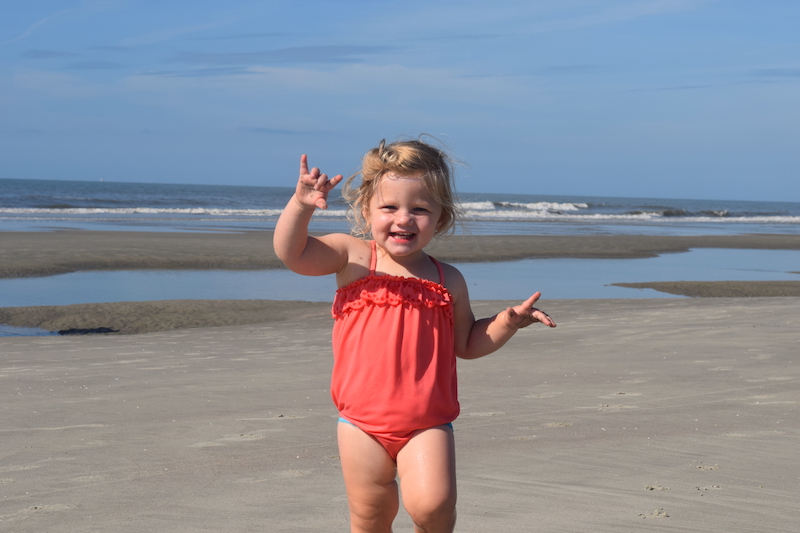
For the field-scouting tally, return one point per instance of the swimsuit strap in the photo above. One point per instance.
(373, 262)
(441, 271)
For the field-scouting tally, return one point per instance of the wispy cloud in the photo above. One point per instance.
(569, 69)
(274, 131)
(685, 87)
(111, 48)
(200, 72)
(96, 65)
(778, 72)
(300, 54)
(39, 23)
(85, 7)
(466, 37)
(237, 37)
(45, 54)
(170, 33)
(621, 12)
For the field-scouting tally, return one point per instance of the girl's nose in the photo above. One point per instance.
(403, 217)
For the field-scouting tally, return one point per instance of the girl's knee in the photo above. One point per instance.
(432, 514)
(435, 523)
(373, 512)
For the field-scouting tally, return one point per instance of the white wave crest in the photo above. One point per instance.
(546, 206)
(477, 206)
(139, 211)
(474, 211)
(534, 206)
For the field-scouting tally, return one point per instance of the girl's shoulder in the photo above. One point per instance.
(454, 281)
(359, 254)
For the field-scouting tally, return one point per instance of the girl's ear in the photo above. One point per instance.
(441, 222)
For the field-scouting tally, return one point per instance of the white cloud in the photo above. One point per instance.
(166, 34)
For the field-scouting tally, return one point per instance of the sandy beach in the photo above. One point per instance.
(632, 415)
(214, 415)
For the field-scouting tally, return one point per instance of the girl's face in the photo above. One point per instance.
(402, 215)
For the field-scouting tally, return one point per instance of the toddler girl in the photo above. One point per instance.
(400, 320)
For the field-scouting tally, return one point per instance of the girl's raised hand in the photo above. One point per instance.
(313, 186)
(525, 314)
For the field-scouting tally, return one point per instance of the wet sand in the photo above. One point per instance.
(721, 289)
(143, 317)
(632, 415)
(47, 253)
(40, 253)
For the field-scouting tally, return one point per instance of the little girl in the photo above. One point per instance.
(400, 320)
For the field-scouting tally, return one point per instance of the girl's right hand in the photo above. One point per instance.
(313, 186)
(526, 314)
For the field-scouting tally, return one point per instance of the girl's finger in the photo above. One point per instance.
(528, 304)
(334, 181)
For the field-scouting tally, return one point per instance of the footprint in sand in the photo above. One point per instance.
(700, 466)
(618, 394)
(710, 487)
(237, 437)
(293, 473)
(25, 513)
(89, 479)
(658, 513)
(543, 395)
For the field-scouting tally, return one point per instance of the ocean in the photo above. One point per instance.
(43, 205)
(39, 205)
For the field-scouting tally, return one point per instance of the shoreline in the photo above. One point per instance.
(30, 254)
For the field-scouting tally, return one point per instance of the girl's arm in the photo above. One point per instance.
(476, 338)
(300, 252)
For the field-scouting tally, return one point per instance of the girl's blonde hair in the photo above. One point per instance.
(412, 158)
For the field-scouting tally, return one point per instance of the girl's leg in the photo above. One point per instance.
(369, 477)
(427, 470)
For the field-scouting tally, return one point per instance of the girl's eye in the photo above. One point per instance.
(420, 210)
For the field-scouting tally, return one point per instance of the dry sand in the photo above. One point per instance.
(631, 416)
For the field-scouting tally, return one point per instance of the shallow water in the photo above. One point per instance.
(555, 278)
(516, 280)
(11, 331)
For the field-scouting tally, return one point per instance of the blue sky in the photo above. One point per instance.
(647, 98)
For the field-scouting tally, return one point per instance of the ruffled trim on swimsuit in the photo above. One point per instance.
(390, 291)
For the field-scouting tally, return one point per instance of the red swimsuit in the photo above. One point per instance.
(394, 370)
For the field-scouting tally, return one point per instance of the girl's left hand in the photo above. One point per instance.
(525, 314)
